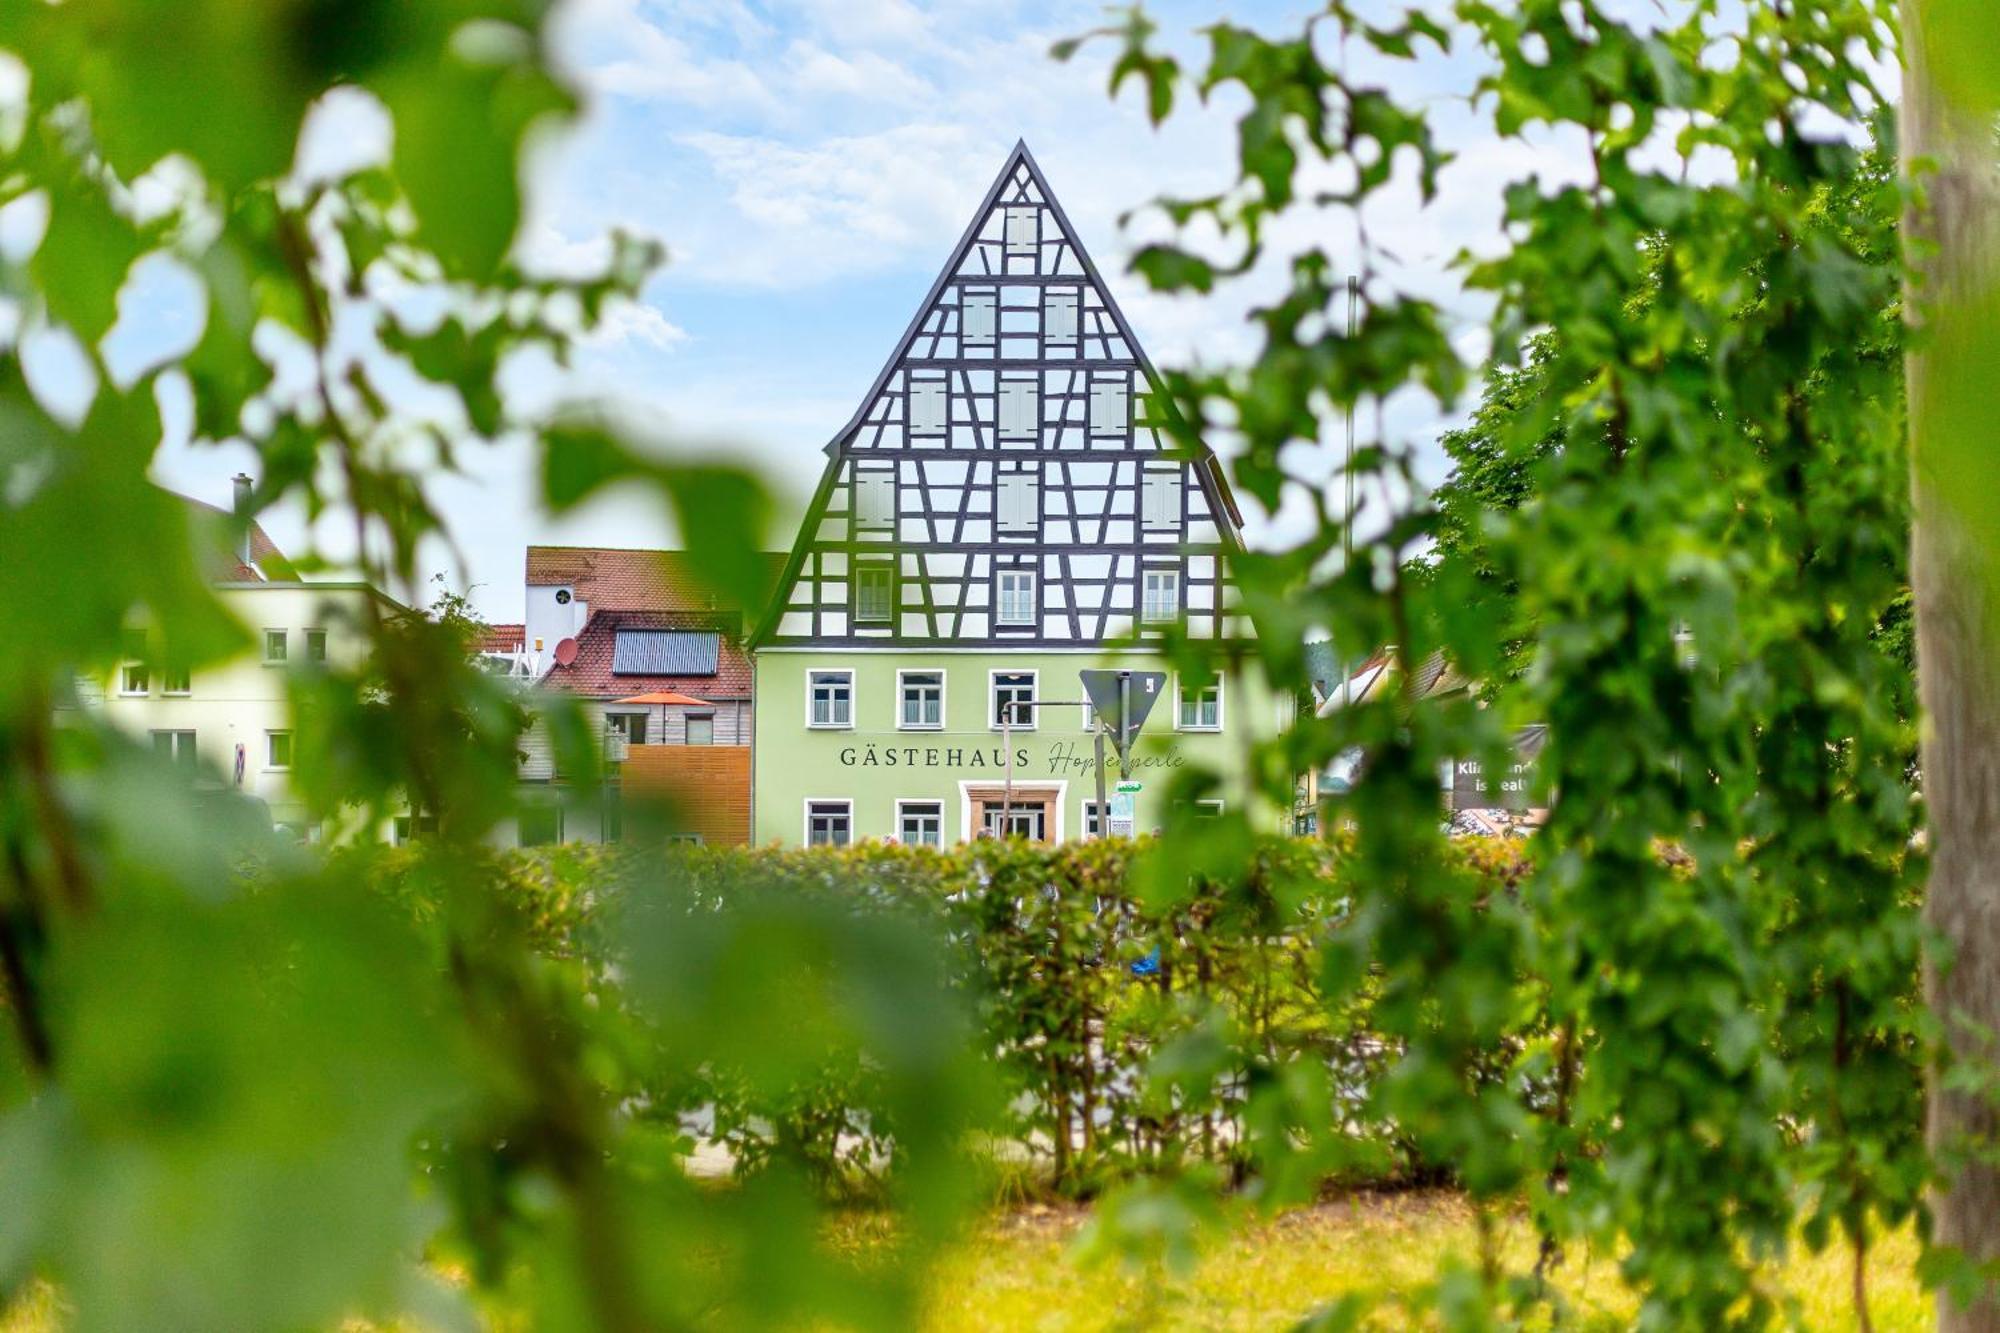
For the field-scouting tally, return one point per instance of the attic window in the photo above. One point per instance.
(1023, 228)
(1059, 315)
(654, 652)
(927, 406)
(979, 316)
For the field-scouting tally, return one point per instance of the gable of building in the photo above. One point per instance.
(1005, 481)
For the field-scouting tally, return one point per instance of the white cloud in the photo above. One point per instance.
(624, 322)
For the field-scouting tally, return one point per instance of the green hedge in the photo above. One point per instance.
(1129, 1008)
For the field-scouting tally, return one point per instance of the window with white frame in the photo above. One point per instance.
(1023, 227)
(920, 706)
(1020, 409)
(175, 746)
(416, 824)
(1015, 600)
(315, 645)
(1018, 500)
(1162, 596)
(1160, 496)
(1208, 808)
(978, 316)
(1109, 403)
(136, 675)
(277, 749)
(176, 682)
(830, 698)
(1013, 697)
(1059, 315)
(1200, 706)
(920, 823)
(277, 647)
(874, 592)
(829, 823)
(874, 499)
(928, 406)
(1096, 819)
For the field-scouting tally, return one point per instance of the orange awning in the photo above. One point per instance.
(668, 698)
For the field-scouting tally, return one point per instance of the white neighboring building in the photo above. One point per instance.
(231, 722)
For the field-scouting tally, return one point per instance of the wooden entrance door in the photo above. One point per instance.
(1030, 815)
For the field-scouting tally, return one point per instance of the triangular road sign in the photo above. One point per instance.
(1122, 700)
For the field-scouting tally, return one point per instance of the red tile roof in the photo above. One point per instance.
(220, 551)
(502, 638)
(616, 579)
(589, 676)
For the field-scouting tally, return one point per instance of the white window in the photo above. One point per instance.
(278, 749)
(829, 823)
(920, 705)
(830, 699)
(176, 682)
(1013, 697)
(1023, 228)
(277, 647)
(135, 676)
(701, 728)
(1019, 502)
(920, 823)
(874, 500)
(686, 839)
(1208, 808)
(1016, 597)
(1200, 707)
(979, 320)
(415, 825)
(1163, 595)
(1059, 314)
(1020, 409)
(874, 592)
(315, 645)
(1108, 403)
(627, 727)
(177, 746)
(927, 406)
(1096, 818)
(1160, 502)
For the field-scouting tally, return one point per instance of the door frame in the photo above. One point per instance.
(1054, 793)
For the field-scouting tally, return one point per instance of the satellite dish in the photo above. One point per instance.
(566, 652)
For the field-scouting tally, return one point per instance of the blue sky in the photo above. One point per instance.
(808, 164)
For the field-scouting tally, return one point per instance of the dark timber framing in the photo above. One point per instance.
(1018, 364)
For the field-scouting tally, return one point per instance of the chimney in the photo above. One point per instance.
(244, 486)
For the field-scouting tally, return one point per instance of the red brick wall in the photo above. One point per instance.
(707, 785)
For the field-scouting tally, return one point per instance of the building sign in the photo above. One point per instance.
(1516, 789)
(1061, 757)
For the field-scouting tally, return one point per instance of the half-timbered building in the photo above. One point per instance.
(1001, 511)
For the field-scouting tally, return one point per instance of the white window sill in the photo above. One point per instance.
(829, 726)
(1200, 731)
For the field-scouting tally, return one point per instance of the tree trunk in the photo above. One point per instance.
(1958, 629)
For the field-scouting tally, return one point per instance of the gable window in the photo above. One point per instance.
(1109, 400)
(1016, 599)
(1022, 230)
(701, 728)
(921, 703)
(1059, 315)
(277, 647)
(1200, 707)
(1018, 501)
(1013, 699)
(1162, 596)
(627, 727)
(874, 592)
(135, 676)
(1020, 409)
(278, 749)
(920, 823)
(874, 500)
(829, 823)
(830, 698)
(979, 320)
(175, 746)
(315, 645)
(1160, 502)
(928, 399)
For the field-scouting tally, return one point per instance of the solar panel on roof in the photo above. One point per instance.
(664, 652)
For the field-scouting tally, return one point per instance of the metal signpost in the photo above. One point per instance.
(1122, 700)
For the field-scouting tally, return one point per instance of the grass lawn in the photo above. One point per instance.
(1017, 1272)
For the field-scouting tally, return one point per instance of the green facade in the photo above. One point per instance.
(873, 763)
